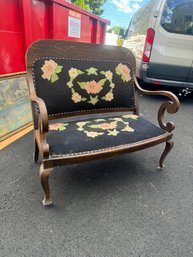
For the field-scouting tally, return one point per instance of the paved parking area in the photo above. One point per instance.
(119, 207)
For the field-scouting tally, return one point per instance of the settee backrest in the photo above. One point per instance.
(79, 77)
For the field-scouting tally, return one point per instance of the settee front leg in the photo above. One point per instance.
(44, 177)
(168, 147)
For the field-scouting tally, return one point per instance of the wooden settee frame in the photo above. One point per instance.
(41, 118)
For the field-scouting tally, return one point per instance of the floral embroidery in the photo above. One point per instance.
(123, 71)
(93, 134)
(70, 84)
(127, 128)
(113, 132)
(92, 87)
(50, 70)
(92, 71)
(130, 116)
(81, 125)
(89, 91)
(108, 74)
(76, 97)
(109, 96)
(99, 127)
(73, 73)
(109, 126)
(58, 126)
(117, 119)
(93, 100)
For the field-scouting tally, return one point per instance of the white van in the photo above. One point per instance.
(160, 35)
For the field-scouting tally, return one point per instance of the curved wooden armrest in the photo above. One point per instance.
(171, 106)
(43, 115)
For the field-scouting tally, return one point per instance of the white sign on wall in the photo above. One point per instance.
(74, 24)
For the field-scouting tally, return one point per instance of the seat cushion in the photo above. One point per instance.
(98, 132)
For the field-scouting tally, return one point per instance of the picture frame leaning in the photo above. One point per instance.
(15, 109)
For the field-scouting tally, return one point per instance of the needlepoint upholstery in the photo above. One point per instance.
(68, 137)
(68, 85)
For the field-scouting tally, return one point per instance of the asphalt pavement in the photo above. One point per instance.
(118, 207)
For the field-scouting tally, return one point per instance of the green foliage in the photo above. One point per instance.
(93, 100)
(116, 29)
(81, 3)
(102, 82)
(58, 69)
(54, 77)
(82, 84)
(94, 6)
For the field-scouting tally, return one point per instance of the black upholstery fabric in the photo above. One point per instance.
(74, 136)
(57, 92)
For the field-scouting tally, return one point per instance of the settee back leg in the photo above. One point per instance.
(44, 177)
(36, 151)
(168, 147)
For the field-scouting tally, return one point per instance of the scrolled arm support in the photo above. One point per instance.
(169, 126)
(45, 150)
(42, 125)
(171, 106)
(43, 114)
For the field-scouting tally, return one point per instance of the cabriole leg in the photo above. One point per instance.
(44, 176)
(169, 146)
(36, 151)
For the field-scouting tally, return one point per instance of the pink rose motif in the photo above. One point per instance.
(92, 87)
(107, 126)
(49, 69)
(125, 71)
(55, 126)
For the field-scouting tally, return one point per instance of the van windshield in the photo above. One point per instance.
(177, 17)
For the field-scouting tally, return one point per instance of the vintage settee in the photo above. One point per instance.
(84, 100)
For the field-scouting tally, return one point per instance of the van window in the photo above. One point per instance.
(177, 17)
(140, 22)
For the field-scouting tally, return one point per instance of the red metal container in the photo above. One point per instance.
(24, 21)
